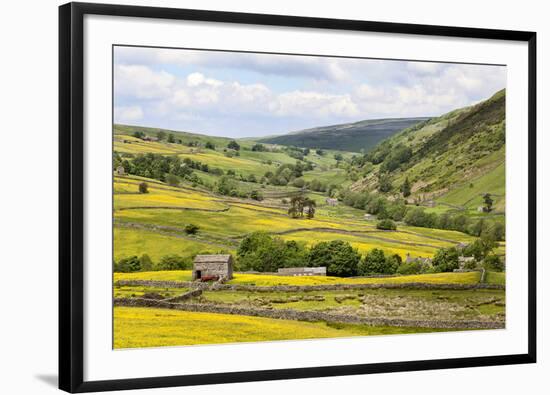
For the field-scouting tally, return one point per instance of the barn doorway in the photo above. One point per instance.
(198, 274)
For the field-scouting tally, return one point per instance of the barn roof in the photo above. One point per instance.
(218, 258)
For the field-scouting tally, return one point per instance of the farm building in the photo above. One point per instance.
(423, 261)
(331, 201)
(302, 271)
(213, 266)
(120, 171)
(369, 217)
(429, 203)
(150, 138)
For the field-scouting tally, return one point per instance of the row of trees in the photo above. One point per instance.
(159, 167)
(145, 264)
(399, 210)
(262, 252)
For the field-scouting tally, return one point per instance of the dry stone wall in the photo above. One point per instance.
(303, 288)
(311, 316)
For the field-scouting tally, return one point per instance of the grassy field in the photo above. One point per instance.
(148, 327)
(270, 280)
(129, 242)
(493, 182)
(242, 217)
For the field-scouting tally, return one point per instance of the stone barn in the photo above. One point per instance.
(213, 266)
(120, 171)
(302, 271)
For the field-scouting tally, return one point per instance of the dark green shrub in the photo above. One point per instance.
(143, 187)
(191, 229)
(386, 224)
(173, 262)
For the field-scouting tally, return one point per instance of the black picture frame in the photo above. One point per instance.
(71, 197)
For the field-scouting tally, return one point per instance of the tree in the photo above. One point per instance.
(319, 152)
(480, 248)
(309, 206)
(161, 135)
(146, 263)
(171, 138)
(128, 265)
(446, 259)
(258, 147)
(339, 257)
(494, 263)
(233, 145)
(210, 145)
(139, 134)
(412, 267)
(488, 202)
(384, 182)
(172, 180)
(296, 206)
(338, 157)
(191, 229)
(143, 187)
(375, 262)
(406, 188)
(299, 182)
(173, 262)
(261, 252)
(256, 195)
(386, 224)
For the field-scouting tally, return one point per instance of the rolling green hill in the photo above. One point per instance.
(354, 137)
(453, 159)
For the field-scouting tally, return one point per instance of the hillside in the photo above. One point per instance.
(453, 159)
(354, 137)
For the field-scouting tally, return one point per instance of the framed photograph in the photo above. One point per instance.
(250, 197)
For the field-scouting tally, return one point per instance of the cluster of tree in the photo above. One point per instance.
(301, 204)
(145, 264)
(229, 186)
(285, 173)
(375, 204)
(234, 145)
(158, 166)
(264, 253)
(398, 210)
(386, 224)
(259, 148)
(297, 152)
(396, 157)
(417, 216)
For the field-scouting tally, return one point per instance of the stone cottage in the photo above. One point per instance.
(120, 171)
(213, 266)
(331, 201)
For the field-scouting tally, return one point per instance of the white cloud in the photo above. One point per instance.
(300, 103)
(141, 82)
(321, 68)
(128, 114)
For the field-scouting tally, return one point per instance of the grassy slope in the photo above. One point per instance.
(450, 152)
(354, 137)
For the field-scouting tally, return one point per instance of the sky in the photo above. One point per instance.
(235, 94)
